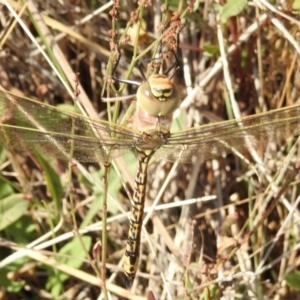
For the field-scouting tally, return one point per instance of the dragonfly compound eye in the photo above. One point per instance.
(161, 94)
(158, 96)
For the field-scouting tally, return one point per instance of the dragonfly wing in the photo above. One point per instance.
(218, 139)
(31, 126)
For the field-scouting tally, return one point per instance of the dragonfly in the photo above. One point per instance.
(28, 125)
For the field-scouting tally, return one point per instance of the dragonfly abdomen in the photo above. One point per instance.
(132, 252)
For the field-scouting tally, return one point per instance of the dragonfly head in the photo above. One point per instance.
(158, 96)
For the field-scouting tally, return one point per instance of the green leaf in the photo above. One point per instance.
(231, 8)
(11, 209)
(53, 181)
(23, 231)
(210, 292)
(195, 266)
(74, 249)
(12, 286)
(173, 5)
(227, 223)
(179, 122)
(293, 280)
(114, 187)
(211, 50)
(189, 282)
(75, 259)
(16, 286)
(296, 5)
(5, 188)
(66, 107)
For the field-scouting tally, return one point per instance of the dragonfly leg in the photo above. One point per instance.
(128, 81)
(175, 64)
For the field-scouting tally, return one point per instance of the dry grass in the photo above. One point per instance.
(226, 228)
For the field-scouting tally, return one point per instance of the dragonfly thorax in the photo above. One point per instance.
(152, 140)
(158, 96)
(145, 122)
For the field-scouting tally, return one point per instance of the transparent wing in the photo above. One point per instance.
(32, 126)
(213, 140)
(29, 125)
